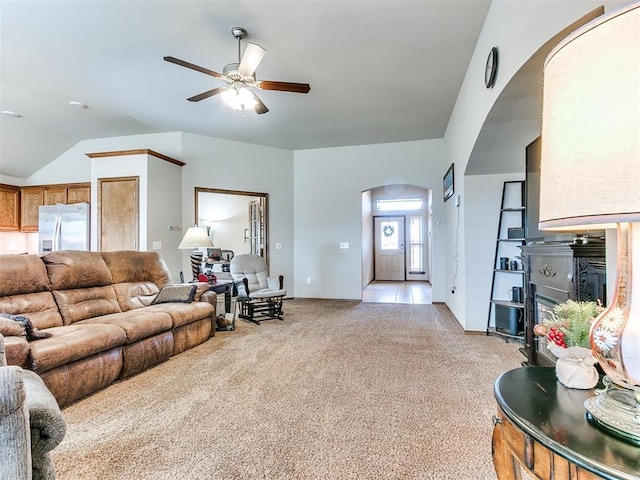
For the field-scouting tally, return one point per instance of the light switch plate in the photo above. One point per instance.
(157, 245)
(344, 245)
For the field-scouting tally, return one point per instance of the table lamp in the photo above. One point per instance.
(195, 238)
(590, 179)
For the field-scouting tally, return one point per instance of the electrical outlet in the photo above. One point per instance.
(456, 201)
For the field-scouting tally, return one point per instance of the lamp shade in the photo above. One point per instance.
(590, 177)
(195, 237)
(590, 165)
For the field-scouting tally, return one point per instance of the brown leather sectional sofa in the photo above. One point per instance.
(98, 308)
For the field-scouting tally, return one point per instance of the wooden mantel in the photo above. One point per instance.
(142, 151)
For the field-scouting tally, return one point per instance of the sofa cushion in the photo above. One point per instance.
(132, 295)
(22, 274)
(73, 342)
(133, 266)
(28, 330)
(183, 313)
(137, 324)
(40, 307)
(76, 269)
(182, 293)
(81, 303)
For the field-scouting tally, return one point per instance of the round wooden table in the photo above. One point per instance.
(541, 425)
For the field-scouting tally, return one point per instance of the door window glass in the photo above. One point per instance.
(385, 205)
(389, 235)
(416, 245)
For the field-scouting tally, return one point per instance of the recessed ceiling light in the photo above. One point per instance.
(9, 113)
(73, 103)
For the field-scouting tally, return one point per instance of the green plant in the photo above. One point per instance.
(569, 323)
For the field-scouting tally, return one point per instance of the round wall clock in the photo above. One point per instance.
(491, 68)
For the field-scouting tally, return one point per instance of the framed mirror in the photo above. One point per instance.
(236, 220)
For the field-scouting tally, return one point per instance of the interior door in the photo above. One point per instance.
(389, 238)
(256, 227)
(118, 213)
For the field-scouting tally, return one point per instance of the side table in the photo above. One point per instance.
(224, 287)
(541, 426)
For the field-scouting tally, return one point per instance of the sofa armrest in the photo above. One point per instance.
(211, 297)
(15, 438)
(12, 392)
(47, 423)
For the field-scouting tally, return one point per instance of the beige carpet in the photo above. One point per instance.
(339, 390)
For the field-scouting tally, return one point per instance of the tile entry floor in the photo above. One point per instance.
(418, 293)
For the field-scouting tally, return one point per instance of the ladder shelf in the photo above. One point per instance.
(506, 302)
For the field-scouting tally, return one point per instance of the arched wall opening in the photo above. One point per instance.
(382, 203)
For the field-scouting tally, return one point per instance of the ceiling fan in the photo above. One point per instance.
(239, 76)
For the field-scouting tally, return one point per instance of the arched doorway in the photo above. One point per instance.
(396, 244)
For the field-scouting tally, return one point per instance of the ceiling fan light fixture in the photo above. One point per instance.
(239, 76)
(239, 97)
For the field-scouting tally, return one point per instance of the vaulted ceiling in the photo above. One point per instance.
(380, 71)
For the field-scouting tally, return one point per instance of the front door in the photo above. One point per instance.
(389, 248)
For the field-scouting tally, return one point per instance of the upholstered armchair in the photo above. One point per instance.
(259, 296)
(31, 424)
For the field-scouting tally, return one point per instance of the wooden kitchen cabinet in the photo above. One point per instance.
(32, 197)
(30, 200)
(9, 208)
(55, 194)
(79, 194)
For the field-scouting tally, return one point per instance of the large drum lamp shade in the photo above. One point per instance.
(590, 169)
(590, 178)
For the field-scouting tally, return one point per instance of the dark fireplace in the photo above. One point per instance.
(555, 273)
(542, 308)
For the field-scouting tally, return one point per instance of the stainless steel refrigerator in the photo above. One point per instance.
(63, 227)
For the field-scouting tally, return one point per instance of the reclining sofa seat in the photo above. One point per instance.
(98, 308)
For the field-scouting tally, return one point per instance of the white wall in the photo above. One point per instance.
(16, 181)
(164, 194)
(518, 29)
(367, 239)
(483, 194)
(328, 184)
(217, 163)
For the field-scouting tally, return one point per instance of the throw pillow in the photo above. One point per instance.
(184, 293)
(30, 331)
(9, 328)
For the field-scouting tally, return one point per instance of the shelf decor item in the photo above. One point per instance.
(567, 331)
(590, 174)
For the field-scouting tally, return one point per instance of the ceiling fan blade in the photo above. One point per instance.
(192, 66)
(260, 107)
(207, 94)
(252, 56)
(284, 86)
